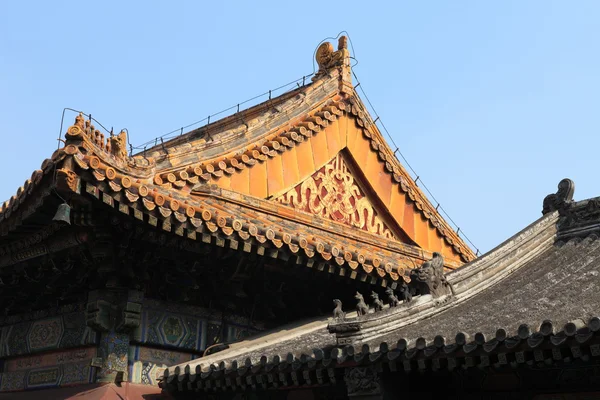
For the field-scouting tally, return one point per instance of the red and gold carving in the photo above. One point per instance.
(333, 193)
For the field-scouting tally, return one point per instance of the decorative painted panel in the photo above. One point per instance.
(114, 350)
(48, 370)
(80, 372)
(187, 327)
(213, 333)
(49, 359)
(13, 381)
(147, 364)
(63, 331)
(41, 314)
(334, 193)
(234, 333)
(172, 329)
(43, 377)
(45, 334)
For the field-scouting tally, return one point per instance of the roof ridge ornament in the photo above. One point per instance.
(328, 59)
(561, 199)
(118, 145)
(113, 145)
(430, 278)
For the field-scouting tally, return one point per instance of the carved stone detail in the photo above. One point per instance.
(430, 279)
(362, 381)
(361, 307)
(391, 297)
(338, 313)
(377, 303)
(405, 293)
(561, 199)
(580, 219)
(333, 193)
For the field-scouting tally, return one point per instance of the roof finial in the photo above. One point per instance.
(561, 199)
(328, 59)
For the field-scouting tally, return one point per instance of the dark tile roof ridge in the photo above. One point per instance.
(579, 218)
(468, 281)
(542, 228)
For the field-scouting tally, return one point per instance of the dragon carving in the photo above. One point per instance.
(430, 279)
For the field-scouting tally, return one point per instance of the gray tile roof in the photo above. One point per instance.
(534, 298)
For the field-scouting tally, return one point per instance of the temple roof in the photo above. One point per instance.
(534, 298)
(306, 173)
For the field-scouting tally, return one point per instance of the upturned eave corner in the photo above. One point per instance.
(85, 141)
(86, 153)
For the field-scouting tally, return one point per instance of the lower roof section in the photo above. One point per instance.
(533, 298)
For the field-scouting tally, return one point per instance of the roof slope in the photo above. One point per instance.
(273, 147)
(536, 290)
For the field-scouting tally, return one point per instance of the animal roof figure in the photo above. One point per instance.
(430, 279)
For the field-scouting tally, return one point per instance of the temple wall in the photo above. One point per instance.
(147, 364)
(50, 333)
(172, 333)
(180, 326)
(56, 347)
(46, 348)
(59, 368)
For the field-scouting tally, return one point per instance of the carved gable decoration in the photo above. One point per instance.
(333, 193)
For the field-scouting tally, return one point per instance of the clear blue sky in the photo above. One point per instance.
(491, 102)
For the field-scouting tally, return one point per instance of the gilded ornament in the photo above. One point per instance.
(333, 193)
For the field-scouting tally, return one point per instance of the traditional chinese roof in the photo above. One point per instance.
(533, 299)
(307, 174)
